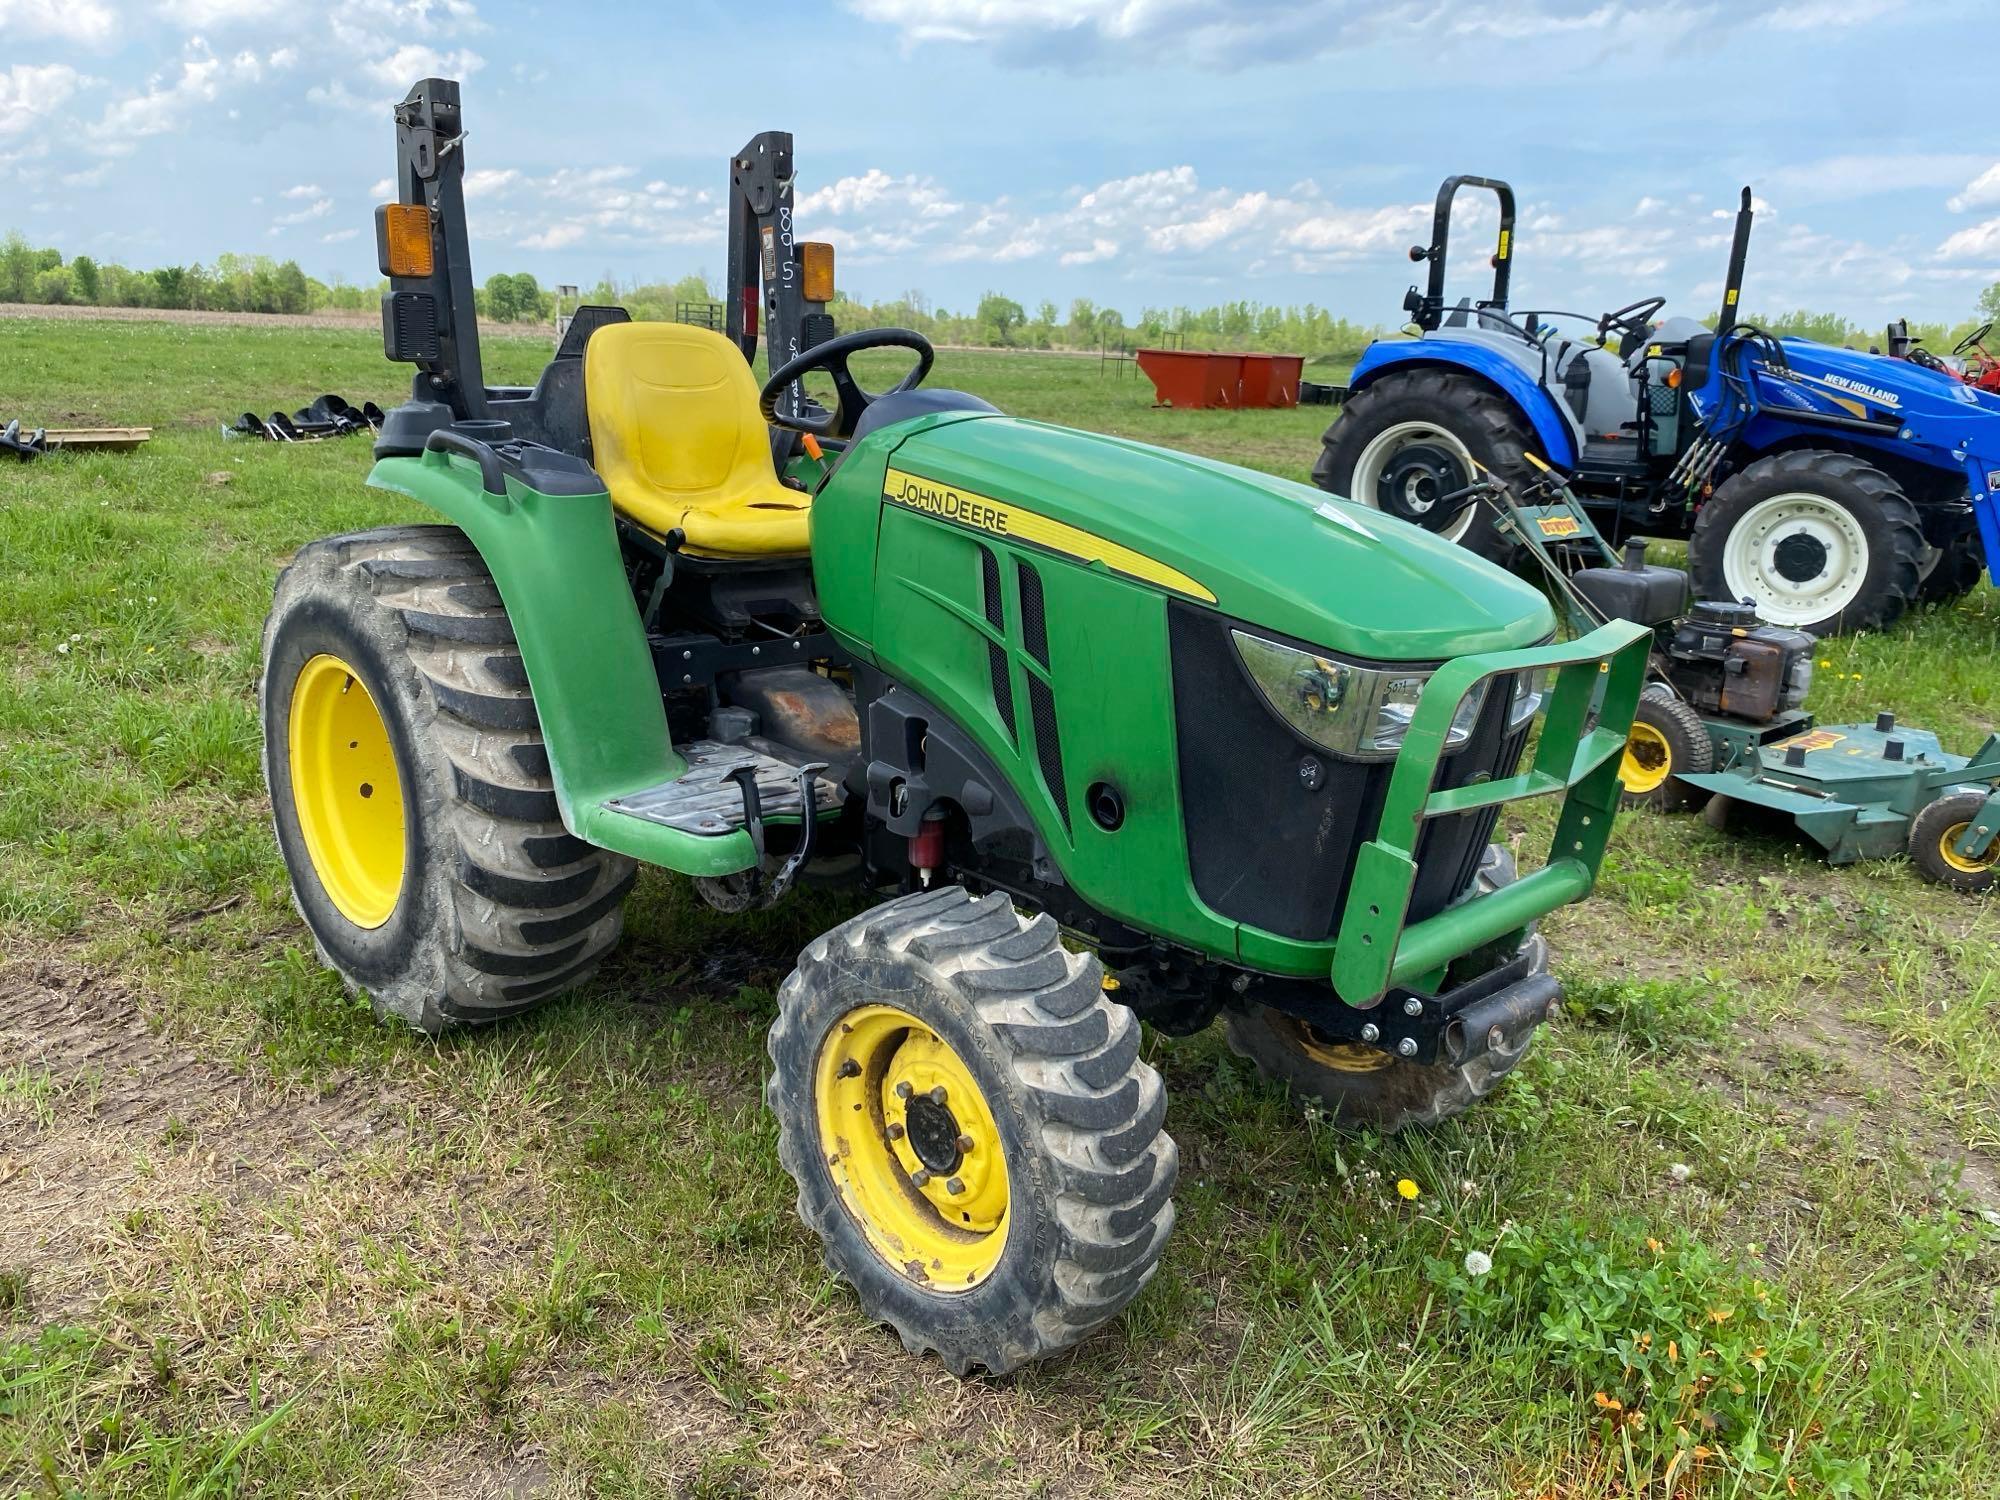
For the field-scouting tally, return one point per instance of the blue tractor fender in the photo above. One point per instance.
(1554, 428)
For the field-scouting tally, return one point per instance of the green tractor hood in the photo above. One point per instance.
(1281, 555)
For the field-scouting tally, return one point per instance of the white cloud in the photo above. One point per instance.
(169, 98)
(1978, 193)
(304, 190)
(555, 237)
(86, 21)
(30, 92)
(479, 182)
(1113, 33)
(413, 60)
(383, 189)
(1980, 241)
(1099, 250)
(337, 236)
(875, 191)
(319, 208)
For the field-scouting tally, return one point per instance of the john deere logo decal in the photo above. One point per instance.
(1002, 518)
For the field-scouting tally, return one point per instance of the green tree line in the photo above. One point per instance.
(257, 284)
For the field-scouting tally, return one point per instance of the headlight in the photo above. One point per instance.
(1355, 712)
(1528, 690)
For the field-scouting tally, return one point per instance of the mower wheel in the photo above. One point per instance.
(1668, 741)
(1941, 825)
(1817, 540)
(1411, 437)
(974, 1136)
(410, 788)
(1362, 1085)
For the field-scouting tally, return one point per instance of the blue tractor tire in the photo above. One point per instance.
(1403, 440)
(1817, 539)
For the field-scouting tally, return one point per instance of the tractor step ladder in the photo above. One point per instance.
(704, 799)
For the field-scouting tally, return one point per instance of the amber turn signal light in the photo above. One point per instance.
(403, 235)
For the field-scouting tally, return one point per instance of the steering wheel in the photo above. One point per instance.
(1973, 339)
(832, 357)
(1633, 320)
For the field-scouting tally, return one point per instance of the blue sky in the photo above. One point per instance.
(1136, 152)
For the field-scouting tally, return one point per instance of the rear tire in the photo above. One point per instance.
(1668, 741)
(1052, 1151)
(1360, 1085)
(1817, 540)
(1406, 412)
(492, 905)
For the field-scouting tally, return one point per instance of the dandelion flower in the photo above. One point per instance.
(1406, 1189)
(1477, 1262)
(1680, 1171)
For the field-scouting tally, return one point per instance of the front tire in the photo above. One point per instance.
(1361, 1085)
(1411, 436)
(1817, 540)
(410, 788)
(973, 1134)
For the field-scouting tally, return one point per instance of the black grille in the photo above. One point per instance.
(1034, 626)
(1003, 687)
(989, 589)
(410, 326)
(1048, 747)
(1265, 849)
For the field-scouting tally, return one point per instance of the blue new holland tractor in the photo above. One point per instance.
(1831, 489)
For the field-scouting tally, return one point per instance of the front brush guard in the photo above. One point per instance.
(1599, 677)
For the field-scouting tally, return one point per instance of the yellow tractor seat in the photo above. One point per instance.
(681, 445)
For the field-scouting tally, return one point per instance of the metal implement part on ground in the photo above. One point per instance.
(1725, 719)
(32, 444)
(326, 416)
(1098, 758)
(1830, 488)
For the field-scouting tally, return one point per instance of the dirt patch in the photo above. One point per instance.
(107, 1122)
(1861, 1083)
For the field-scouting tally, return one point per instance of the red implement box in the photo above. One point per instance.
(1271, 379)
(1184, 378)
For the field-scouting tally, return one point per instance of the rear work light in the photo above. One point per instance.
(403, 239)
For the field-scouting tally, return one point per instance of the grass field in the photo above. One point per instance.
(1740, 1202)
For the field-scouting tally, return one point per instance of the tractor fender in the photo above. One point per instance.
(557, 566)
(1553, 426)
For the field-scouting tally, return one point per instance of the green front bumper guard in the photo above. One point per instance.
(1598, 680)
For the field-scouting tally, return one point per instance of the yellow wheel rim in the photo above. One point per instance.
(1648, 759)
(346, 790)
(1958, 861)
(1342, 1057)
(912, 1147)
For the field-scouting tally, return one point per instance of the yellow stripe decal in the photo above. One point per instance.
(1005, 519)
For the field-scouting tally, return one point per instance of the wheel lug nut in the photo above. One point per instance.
(895, 1131)
(964, 1144)
(903, 1091)
(920, 1177)
(938, 1094)
(850, 1069)
(954, 1185)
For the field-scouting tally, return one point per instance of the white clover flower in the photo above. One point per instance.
(1680, 1171)
(62, 648)
(1477, 1262)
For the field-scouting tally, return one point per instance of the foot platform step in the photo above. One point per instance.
(703, 799)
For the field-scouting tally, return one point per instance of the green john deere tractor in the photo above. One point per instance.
(1111, 733)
